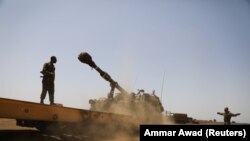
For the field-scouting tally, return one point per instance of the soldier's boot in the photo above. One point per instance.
(52, 103)
(41, 101)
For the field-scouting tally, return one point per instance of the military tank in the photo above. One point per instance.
(144, 107)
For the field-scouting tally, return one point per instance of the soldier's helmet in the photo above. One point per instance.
(53, 59)
(226, 109)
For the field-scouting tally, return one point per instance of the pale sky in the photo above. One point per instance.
(194, 53)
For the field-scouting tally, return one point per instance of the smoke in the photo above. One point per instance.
(135, 109)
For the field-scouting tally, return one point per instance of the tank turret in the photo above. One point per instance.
(146, 107)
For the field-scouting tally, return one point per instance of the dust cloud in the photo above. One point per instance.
(136, 109)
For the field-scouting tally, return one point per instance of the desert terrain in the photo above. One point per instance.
(10, 132)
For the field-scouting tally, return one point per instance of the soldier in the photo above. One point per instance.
(227, 116)
(48, 80)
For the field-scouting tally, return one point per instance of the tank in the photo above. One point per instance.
(144, 107)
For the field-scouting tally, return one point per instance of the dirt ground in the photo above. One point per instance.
(10, 132)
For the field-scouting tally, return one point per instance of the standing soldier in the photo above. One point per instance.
(48, 80)
(227, 116)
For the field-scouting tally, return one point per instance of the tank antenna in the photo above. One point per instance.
(162, 85)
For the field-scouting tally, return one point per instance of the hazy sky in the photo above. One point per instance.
(194, 53)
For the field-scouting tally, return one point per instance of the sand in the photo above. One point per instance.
(10, 132)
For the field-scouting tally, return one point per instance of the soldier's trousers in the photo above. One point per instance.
(48, 87)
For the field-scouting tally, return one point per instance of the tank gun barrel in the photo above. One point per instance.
(84, 57)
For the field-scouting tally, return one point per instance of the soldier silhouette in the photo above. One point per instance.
(227, 116)
(48, 72)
